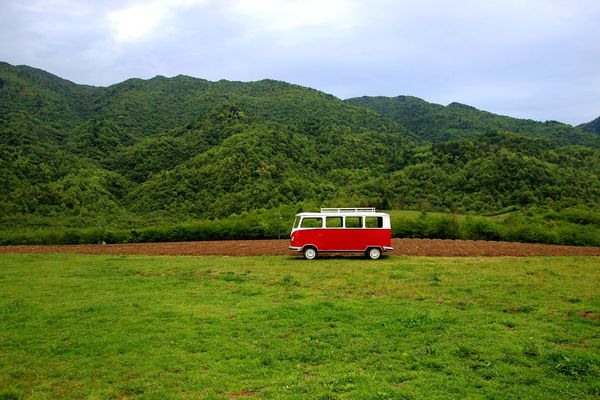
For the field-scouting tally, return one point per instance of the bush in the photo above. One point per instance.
(578, 235)
(528, 231)
(481, 229)
(445, 227)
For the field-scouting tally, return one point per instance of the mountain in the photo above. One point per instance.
(592, 127)
(164, 150)
(437, 123)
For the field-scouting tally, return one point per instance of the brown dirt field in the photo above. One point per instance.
(404, 247)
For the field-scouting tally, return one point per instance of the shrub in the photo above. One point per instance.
(481, 229)
(445, 227)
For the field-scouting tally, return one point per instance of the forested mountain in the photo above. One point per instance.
(167, 149)
(437, 123)
(593, 126)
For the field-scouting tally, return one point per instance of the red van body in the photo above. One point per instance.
(342, 230)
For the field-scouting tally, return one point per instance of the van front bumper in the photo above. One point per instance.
(388, 248)
(292, 248)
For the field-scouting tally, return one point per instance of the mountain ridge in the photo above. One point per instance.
(592, 126)
(435, 122)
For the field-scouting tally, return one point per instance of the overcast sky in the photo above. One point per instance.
(529, 59)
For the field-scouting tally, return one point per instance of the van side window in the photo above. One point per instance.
(312, 222)
(353, 222)
(333, 222)
(374, 222)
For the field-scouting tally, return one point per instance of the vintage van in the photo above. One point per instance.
(342, 230)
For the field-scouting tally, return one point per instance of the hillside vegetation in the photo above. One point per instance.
(166, 150)
(593, 126)
(437, 123)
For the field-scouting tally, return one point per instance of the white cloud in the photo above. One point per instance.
(135, 22)
(141, 20)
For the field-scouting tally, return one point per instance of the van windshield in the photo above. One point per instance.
(296, 222)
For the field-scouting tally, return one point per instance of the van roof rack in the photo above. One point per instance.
(341, 210)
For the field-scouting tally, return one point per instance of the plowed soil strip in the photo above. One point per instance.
(408, 247)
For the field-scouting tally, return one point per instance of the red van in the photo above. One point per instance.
(342, 230)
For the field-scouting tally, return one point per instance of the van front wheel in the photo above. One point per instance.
(310, 253)
(374, 253)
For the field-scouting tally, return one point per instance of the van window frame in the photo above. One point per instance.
(361, 219)
(341, 218)
(379, 222)
(311, 227)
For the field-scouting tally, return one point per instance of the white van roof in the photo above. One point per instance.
(343, 212)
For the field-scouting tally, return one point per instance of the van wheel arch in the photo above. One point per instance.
(373, 253)
(310, 252)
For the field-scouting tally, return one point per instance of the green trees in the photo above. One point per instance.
(592, 127)
(165, 150)
(456, 121)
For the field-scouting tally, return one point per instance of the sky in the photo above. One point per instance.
(536, 59)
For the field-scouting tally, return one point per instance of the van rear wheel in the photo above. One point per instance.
(374, 253)
(310, 253)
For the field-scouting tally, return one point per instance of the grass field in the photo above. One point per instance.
(76, 326)
(415, 214)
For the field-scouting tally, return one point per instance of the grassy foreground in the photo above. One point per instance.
(77, 326)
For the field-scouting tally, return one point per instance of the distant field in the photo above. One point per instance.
(460, 217)
(415, 214)
(82, 326)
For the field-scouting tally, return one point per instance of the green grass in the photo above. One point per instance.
(415, 214)
(78, 326)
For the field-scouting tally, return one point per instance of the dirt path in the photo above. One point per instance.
(411, 247)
